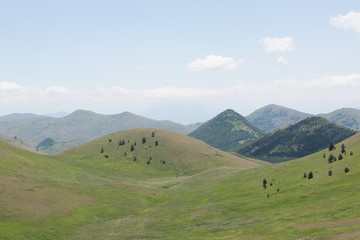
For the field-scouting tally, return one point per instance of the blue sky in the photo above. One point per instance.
(179, 60)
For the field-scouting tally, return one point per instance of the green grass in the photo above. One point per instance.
(81, 195)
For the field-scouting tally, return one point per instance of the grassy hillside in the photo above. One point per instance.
(272, 117)
(152, 151)
(68, 197)
(298, 140)
(227, 131)
(78, 128)
(347, 117)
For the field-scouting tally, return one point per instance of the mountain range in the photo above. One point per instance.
(77, 128)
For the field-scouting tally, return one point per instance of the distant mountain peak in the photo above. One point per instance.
(272, 117)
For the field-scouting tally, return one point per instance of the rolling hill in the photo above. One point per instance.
(227, 131)
(298, 140)
(272, 117)
(75, 196)
(347, 117)
(77, 128)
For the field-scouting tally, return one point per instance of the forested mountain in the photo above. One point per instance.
(227, 131)
(303, 138)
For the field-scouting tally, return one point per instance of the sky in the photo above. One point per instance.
(184, 61)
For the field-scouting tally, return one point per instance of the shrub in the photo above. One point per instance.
(143, 140)
(152, 134)
(340, 157)
(351, 153)
(305, 175)
(102, 150)
(347, 170)
(156, 143)
(330, 173)
(132, 148)
(310, 175)
(331, 146)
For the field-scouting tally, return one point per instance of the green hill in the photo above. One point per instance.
(298, 140)
(152, 151)
(227, 131)
(272, 117)
(68, 197)
(77, 128)
(347, 117)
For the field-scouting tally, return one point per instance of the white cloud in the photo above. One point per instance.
(349, 21)
(274, 44)
(213, 62)
(282, 60)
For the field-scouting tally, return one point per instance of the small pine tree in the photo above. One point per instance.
(135, 143)
(340, 157)
(324, 155)
(102, 150)
(343, 149)
(110, 140)
(347, 170)
(351, 153)
(143, 140)
(331, 158)
(310, 175)
(278, 190)
(156, 143)
(264, 183)
(132, 148)
(331, 146)
(134, 159)
(305, 175)
(330, 173)
(148, 162)
(152, 134)
(106, 156)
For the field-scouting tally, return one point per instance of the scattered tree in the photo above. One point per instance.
(330, 173)
(268, 195)
(135, 143)
(351, 153)
(152, 134)
(305, 175)
(331, 158)
(125, 154)
(340, 157)
(331, 146)
(148, 162)
(134, 159)
(102, 150)
(347, 170)
(310, 175)
(324, 155)
(106, 156)
(110, 140)
(156, 143)
(132, 148)
(278, 190)
(264, 183)
(270, 184)
(343, 149)
(143, 140)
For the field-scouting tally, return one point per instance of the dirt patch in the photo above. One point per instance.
(342, 223)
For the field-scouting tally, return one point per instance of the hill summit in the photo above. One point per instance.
(227, 131)
(303, 138)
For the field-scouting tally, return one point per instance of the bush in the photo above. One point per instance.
(347, 170)
(331, 146)
(310, 175)
(330, 173)
(102, 150)
(340, 157)
(143, 140)
(351, 153)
